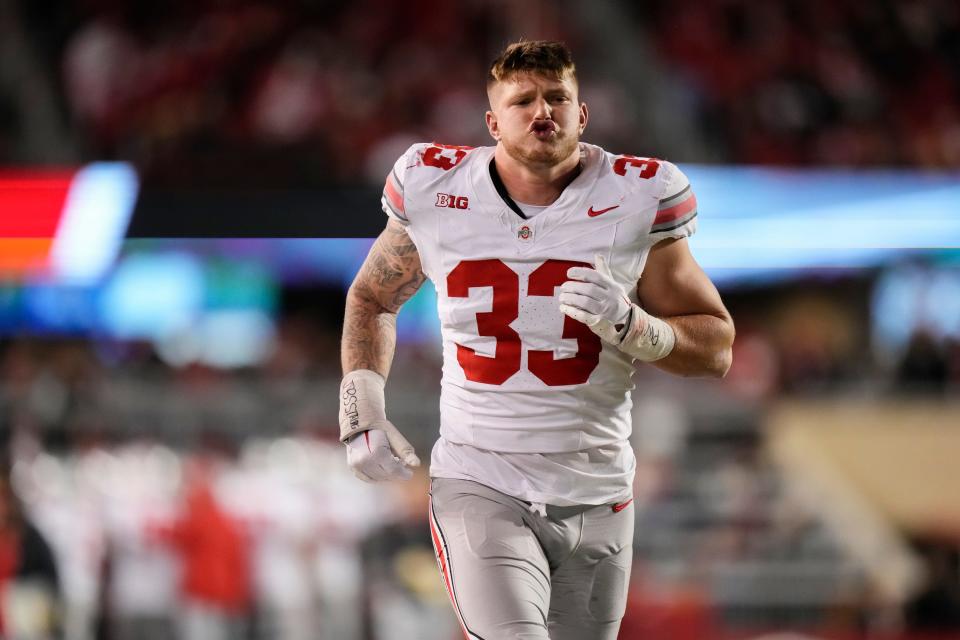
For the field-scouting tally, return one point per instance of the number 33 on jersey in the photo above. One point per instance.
(517, 371)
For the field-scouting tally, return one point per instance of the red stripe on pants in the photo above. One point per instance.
(445, 570)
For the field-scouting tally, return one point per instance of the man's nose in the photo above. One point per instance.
(542, 109)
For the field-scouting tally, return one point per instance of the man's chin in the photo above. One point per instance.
(542, 156)
(542, 152)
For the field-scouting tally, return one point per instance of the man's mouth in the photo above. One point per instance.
(543, 129)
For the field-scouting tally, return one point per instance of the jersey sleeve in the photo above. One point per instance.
(392, 199)
(677, 213)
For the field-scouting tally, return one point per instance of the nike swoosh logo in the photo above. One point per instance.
(617, 508)
(594, 214)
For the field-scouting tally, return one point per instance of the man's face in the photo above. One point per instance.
(537, 119)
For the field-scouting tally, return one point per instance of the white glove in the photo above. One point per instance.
(594, 298)
(376, 450)
(371, 459)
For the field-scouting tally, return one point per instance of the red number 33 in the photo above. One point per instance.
(495, 323)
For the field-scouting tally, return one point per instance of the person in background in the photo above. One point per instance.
(215, 553)
(29, 583)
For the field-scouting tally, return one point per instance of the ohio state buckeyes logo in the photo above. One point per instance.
(452, 202)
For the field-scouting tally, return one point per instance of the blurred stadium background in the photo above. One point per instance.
(187, 188)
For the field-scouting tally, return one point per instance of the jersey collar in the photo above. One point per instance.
(502, 189)
(573, 197)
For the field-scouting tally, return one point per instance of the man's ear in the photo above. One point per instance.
(493, 126)
(584, 116)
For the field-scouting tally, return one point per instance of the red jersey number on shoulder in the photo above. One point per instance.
(648, 166)
(444, 156)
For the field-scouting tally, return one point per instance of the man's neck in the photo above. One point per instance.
(536, 185)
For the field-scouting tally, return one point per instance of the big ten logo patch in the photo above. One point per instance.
(452, 202)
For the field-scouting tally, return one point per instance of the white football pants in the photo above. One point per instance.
(513, 573)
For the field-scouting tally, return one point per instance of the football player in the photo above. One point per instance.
(557, 265)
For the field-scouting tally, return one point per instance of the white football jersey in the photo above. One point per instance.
(520, 379)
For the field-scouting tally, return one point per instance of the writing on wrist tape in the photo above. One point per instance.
(361, 402)
(647, 337)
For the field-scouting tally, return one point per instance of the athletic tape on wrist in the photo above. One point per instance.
(362, 403)
(648, 338)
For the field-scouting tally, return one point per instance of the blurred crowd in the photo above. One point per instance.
(316, 87)
(814, 340)
(266, 541)
(312, 92)
(824, 83)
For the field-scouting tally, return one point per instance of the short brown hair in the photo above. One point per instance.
(546, 57)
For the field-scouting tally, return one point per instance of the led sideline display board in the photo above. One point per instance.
(64, 225)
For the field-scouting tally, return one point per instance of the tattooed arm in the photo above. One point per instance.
(390, 275)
